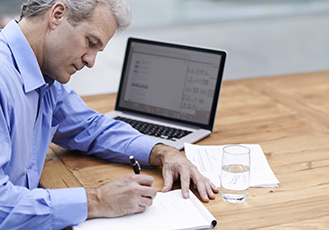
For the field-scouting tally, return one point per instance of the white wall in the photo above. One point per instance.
(255, 48)
(262, 37)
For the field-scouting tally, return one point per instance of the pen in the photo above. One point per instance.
(135, 165)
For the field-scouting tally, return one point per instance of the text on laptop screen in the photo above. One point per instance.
(170, 82)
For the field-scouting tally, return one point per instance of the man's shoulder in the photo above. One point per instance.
(5, 52)
(6, 60)
(9, 75)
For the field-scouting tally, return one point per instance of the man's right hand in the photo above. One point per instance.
(130, 194)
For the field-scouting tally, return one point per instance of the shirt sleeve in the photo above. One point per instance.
(93, 133)
(36, 208)
(40, 208)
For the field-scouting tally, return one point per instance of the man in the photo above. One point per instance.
(38, 55)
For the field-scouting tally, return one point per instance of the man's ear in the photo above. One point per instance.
(56, 14)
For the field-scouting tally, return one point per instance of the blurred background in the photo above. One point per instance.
(263, 38)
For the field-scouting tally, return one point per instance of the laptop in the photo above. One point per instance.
(169, 91)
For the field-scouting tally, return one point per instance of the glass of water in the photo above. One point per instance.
(235, 173)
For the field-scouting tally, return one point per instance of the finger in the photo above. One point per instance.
(144, 180)
(141, 202)
(211, 193)
(139, 209)
(206, 189)
(203, 192)
(145, 202)
(168, 181)
(214, 188)
(185, 184)
(148, 192)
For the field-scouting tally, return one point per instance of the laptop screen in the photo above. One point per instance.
(172, 81)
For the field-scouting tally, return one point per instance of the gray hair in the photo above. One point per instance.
(79, 10)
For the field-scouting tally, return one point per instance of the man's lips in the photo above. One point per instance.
(76, 68)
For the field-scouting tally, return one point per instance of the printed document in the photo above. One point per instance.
(208, 160)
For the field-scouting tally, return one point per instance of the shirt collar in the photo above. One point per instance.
(24, 56)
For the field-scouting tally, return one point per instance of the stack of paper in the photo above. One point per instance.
(208, 160)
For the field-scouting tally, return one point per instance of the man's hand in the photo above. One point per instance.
(174, 166)
(130, 194)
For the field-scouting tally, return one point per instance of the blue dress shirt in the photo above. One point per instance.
(35, 110)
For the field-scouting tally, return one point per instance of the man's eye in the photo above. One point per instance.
(91, 44)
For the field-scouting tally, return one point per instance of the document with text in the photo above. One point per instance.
(168, 211)
(208, 160)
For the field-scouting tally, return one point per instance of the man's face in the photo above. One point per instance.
(68, 49)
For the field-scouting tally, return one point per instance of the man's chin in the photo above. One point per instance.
(64, 80)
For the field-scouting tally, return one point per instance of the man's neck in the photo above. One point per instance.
(34, 31)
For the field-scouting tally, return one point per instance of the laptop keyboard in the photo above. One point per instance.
(151, 129)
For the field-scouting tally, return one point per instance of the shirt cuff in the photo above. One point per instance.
(143, 144)
(69, 206)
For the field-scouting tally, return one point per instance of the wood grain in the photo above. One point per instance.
(287, 115)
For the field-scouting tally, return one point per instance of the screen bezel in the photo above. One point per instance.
(211, 120)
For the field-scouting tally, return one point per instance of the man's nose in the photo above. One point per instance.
(89, 59)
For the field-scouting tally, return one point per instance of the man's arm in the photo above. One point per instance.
(81, 128)
(40, 208)
(174, 166)
(33, 208)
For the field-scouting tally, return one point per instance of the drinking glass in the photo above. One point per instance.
(235, 173)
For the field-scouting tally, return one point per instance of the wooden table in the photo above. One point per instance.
(287, 115)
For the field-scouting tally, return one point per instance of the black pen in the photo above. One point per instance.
(135, 165)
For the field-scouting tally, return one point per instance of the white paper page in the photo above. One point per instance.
(208, 160)
(168, 211)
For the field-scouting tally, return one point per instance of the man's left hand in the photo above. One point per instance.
(174, 166)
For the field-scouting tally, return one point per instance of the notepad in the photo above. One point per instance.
(208, 159)
(168, 211)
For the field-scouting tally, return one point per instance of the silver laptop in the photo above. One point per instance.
(169, 91)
